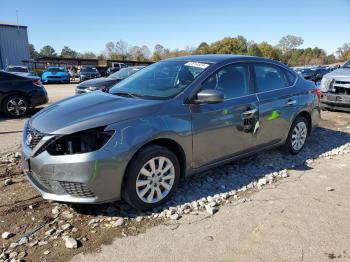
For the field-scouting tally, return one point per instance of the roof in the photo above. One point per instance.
(12, 25)
(216, 58)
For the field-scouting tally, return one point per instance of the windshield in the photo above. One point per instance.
(125, 72)
(161, 80)
(55, 69)
(347, 64)
(89, 70)
(17, 69)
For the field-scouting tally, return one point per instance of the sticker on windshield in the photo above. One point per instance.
(196, 64)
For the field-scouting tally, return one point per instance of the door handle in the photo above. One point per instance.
(291, 102)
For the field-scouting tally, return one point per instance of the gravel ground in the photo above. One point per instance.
(71, 229)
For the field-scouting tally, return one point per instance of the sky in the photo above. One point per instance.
(88, 25)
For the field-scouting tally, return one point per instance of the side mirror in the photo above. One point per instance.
(209, 96)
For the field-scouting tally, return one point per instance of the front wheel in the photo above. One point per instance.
(297, 136)
(151, 178)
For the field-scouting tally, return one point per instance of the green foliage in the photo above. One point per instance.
(48, 51)
(254, 50)
(344, 52)
(67, 52)
(33, 53)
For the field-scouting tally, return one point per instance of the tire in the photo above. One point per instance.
(15, 106)
(140, 170)
(297, 136)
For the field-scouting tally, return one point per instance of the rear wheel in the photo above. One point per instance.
(15, 106)
(151, 178)
(297, 136)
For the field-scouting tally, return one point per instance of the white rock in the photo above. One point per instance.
(46, 252)
(139, 219)
(23, 240)
(329, 188)
(8, 182)
(50, 232)
(118, 222)
(211, 210)
(13, 255)
(71, 243)
(175, 217)
(7, 235)
(66, 226)
(55, 211)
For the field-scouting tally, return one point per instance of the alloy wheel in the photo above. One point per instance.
(299, 136)
(155, 179)
(16, 106)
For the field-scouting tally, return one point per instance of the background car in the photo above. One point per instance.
(115, 68)
(335, 87)
(88, 72)
(55, 74)
(318, 73)
(18, 94)
(105, 83)
(18, 70)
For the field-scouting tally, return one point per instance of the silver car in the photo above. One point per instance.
(174, 118)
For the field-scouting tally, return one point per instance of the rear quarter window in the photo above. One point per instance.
(290, 77)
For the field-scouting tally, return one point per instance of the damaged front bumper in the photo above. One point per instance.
(335, 101)
(94, 177)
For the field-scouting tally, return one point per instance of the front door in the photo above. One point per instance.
(225, 129)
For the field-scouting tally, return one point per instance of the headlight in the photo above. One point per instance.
(92, 88)
(326, 84)
(78, 143)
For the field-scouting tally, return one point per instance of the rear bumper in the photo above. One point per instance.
(335, 101)
(39, 98)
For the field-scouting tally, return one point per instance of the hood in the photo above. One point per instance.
(97, 82)
(89, 111)
(341, 73)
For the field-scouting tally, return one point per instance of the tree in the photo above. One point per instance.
(266, 49)
(121, 48)
(47, 51)
(289, 42)
(33, 53)
(67, 52)
(203, 48)
(344, 52)
(158, 52)
(145, 51)
(88, 55)
(230, 45)
(254, 50)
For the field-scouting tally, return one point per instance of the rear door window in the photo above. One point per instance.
(269, 77)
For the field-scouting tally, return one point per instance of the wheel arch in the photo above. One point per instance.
(12, 94)
(307, 116)
(172, 146)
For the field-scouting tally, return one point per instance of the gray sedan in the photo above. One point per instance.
(172, 119)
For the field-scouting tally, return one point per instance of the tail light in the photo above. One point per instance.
(37, 82)
(318, 93)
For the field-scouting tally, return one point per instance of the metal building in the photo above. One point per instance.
(14, 46)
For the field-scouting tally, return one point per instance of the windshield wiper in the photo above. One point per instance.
(126, 94)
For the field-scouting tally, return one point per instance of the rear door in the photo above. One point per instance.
(225, 129)
(278, 101)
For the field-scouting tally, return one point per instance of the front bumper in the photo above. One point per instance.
(94, 177)
(53, 79)
(335, 101)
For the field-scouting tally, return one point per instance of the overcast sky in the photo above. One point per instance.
(88, 25)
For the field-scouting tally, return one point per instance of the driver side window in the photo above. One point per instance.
(231, 80)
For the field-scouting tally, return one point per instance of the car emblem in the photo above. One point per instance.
(29, 139)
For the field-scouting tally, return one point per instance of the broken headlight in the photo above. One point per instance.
(80, 142)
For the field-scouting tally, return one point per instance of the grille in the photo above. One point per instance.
(77, 189)
(36, 137)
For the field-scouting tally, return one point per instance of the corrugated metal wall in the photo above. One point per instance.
(14, 46)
